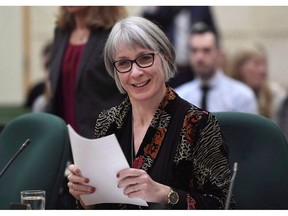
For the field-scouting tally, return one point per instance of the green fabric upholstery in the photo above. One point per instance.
(41, 165)
(261, 150)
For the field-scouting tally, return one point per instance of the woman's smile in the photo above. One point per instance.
(141, 84)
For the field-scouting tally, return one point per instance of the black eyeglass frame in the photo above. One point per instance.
(135, 61)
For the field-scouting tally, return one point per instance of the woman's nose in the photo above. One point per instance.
(136, 70)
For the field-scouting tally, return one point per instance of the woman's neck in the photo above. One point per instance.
(142, 116)
(80, 20)
(81, 32)
(143, 111)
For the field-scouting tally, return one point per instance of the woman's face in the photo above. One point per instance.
(141, 84)
(254, 72)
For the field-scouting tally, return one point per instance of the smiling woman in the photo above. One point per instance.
(175, 149)
(142, 82)
(142, 36)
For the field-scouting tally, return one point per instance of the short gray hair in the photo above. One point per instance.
(133, 31)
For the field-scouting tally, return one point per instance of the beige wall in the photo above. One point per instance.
(42, 24)
(11, 63)
(238, 25)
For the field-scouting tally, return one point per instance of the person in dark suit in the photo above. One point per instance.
(176, 22)
(80, 85)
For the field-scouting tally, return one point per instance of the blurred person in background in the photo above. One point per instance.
(249, 65)
(211, 89)
(80, 85)
(282, 117)
(176, 22)
(40, 103)
(37, 96)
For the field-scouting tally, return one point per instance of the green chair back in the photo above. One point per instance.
(41, 165)
(261, 150)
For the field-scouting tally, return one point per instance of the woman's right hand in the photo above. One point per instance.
(77, 184)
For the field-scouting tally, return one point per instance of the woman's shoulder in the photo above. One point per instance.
(61, 32)
(115, 110)
(197, 117)
(101, 34)
(192, 110)
(112, 117)
(192, 113)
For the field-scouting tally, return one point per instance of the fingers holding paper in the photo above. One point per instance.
(78, 184)
(138, 184)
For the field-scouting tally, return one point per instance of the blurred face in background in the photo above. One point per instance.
(77, 9)
(254, 71)
(204, 54)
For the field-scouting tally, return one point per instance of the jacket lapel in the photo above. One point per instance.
(58, 50)
(155, 135)
(92, 51)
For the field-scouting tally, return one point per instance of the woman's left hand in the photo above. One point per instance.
(138, 184)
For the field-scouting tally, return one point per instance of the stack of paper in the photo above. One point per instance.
(100, 160)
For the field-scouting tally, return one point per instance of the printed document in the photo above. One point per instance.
(100, 160)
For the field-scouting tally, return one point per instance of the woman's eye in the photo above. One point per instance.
(145, 58)
(123, 63)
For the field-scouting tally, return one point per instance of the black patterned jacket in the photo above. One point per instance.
(183, 148)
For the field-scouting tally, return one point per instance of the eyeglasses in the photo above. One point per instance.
(143, 61)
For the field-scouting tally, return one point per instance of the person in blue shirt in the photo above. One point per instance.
(222, 93)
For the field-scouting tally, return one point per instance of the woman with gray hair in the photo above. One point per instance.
(176, 151)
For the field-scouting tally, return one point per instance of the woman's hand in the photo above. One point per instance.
(138, 184)
(76, 184)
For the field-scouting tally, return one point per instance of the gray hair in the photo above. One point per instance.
(133, 31)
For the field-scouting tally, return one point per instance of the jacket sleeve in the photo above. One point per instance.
(206, 169)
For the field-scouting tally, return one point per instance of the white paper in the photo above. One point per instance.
(100, 160)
